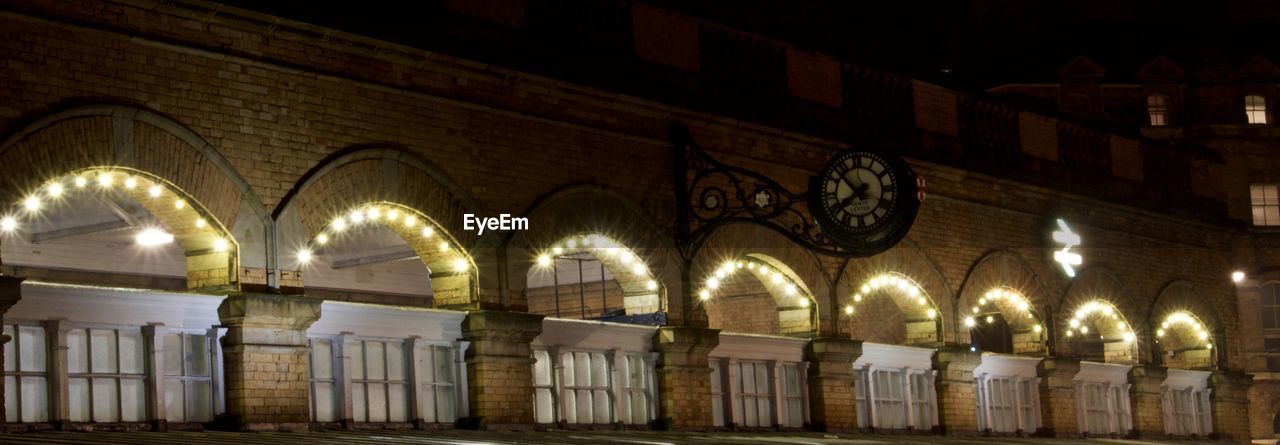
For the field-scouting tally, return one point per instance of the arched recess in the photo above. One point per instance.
(742, 269)
(353, 195)
(1096, 320)
(1002, 291)
(1187, 331)
(128, 146)
(591, 213)
(881, 298)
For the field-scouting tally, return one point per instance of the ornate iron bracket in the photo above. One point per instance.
(711, 193)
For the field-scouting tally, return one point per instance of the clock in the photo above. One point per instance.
(864, 201)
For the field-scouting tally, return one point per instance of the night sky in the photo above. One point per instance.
(965, 43)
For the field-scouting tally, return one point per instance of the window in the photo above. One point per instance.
(717, 393)
(1104, 407)
(1270, 305)
(860, 398)
(1255, 109)
(635, 392)
(105, 376)
(1120, 401)
(379, 387)
(999, 409)
(188, 377)
(888, 399)
(922, 400)
(1028, 396)
(792, 396)
(26, 395)
(1096, 409)
(544, 400)
(1158, 109)
(1187, 412)
(1265, 203)
(323, 381)
(753, 397)
(438, 394)
(586, 388)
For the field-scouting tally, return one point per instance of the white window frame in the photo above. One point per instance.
(211, 337)
(1024, 402)
(911, 402)
(756, 398)
(788, 400)
(118, 377)
(336, 370)
(545, 392)
(1187, 411)
(13, 351)
(425, 390)
(386, 382)
(1264, 204)
(719, 395)
(1255, 109)
(1114, 411)
(633, 398)
(593, 389)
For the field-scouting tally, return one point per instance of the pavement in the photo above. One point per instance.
(467, 437)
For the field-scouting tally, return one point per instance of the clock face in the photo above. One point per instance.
(863, 200)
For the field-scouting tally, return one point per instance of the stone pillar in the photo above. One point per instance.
(10, 293)
(500, 368)
(832, 400)
(1229, 405)
(957, 391)
(684, 377)
(1146, 399)
(1058, 397)
(266, 360)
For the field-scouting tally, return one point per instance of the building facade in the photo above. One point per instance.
(222, 218)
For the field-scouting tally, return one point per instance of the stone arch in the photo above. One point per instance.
(584, 210)
(899, 318)
(1188, 334)
(381, 179)
(1002, 282)
(145, 149)
(1097, 300)
(732, 247)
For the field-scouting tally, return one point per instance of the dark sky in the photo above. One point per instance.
(980, 42)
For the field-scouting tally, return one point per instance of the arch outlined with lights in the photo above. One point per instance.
(1187, 332)
(1025, 322)
(797, 308)
(1103, 319)
(453, 277)
(1098, 284)
(922, 315)
(183, 219)
(642, 292)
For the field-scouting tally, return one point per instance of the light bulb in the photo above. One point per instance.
(81, 182)
(804, 303)
(154, 237)
(374, 213)
(154, 191)
(931, 313)
(704, 294)
(427, 232)
(220, 245)
(105, 180)
(651, 285)
(857, 297)
(544, 260)
(338, 225)
(356, 216)
(304, 256)
(1237, 276)
(179, 204)
(460, 265)
(557, 250)
(713, 283)
(322, 238)
(410, 220)
(848, 310)
(991, 319)
(393, 215)
(638, 269)
(55, 190)
(8, 224)
(32, 203)
(790, 289)
(1037, 328)
(444, 246)
(200, 223)
(968, 321)
(131, 183)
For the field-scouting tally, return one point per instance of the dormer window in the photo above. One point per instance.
(1255, 109)
(1158, 109)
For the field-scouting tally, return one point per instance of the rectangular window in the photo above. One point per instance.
(544, 401)
(922, 400)
(188, 377)
(1000, 405)
(1265, 202)
(1120, 400)
(379, 385)
(26, 384)
(438, 392)
(1255, 109)
(586, 393)
(888, 398)
(105, 375)
(792, 396)
(717, 393)
(1180, 404)
(324, 382)
(635, 392)
(1096, 408)
(1028, 393)
(1202, 413)
(1158, 109)
(860, 398)
(754, 395)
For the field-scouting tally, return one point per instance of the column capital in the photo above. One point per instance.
(1230, 386)
(679, 343)
(833, 349)
(956, 363)
(269, 310)
(1148, 378)
(1058, 371)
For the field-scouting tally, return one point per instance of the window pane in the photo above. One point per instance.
(541, 368)
(33, 352)
(1259, 216)
(172, 354)
(322, 359)
(35, 399)
(133, 400)
(375, 364)
(599, 370)
(1256, 196)
(200, 400)
(569, 376)
(398, 402)
(106, 406)
(197, 354)
(443, 362)
(445, 402)
(358, 409)
(78, 393)
(543, 405)
(77, 351)
(356, 350)
(601, 407)
(174, 402)
(324, 402)
(395, 361)
(102, 344)
(1271, 214)
(582, 368)
(377, 402)
(131, 352)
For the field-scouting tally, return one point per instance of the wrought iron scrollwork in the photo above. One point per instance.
(712, 193)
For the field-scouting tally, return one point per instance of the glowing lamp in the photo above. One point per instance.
(154, 237)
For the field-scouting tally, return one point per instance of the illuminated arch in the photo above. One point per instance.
(1001, 284)
(583, 210)
(388, 178)
(921, 322)
(155, 150)
(1187, 333)
(1097, 301)
(642, 293)
(889, 320)
(797, 308)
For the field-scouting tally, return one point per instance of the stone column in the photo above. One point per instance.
(1229, 405)
(1058, 397)
(957, 391)
(500, 368)
(1146, 399)
(684, 377)
(267, 366)
(832, 396)
(10, 293)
